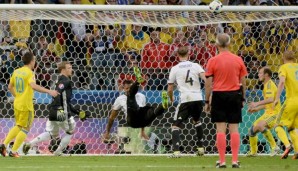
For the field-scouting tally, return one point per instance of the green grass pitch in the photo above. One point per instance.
(131, 163)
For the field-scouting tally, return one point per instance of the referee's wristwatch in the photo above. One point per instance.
(207, 101)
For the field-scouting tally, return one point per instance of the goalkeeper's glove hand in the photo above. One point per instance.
(83, 116)
(61, 115)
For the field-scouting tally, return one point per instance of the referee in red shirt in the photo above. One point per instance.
(225, 74)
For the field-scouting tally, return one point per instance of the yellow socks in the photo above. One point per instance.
(253, 142)
(11, 135)
(269, 138)
(22, 135)
(282, 135)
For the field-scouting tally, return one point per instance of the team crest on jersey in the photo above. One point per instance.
(61, 86)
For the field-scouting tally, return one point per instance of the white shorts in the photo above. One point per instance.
(54, 126)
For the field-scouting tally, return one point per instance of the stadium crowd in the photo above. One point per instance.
(105, 54)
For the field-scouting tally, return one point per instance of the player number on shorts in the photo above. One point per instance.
(188, 79)
(296, 74)
(19, 85)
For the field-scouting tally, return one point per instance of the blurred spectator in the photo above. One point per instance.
(163, 14)
(248, 45)
(253, 67)
(41, 47)
(103, 50)
(174, 2)
(191, 33)
(274, 56)
(102, 81)
(4, 30)
(136, 39)
(179, 41)
(156, 80)
(77, 34)
(212, 30)
(155, 54)
(203, 50)
(44, 72)
(165, 35)
(93, 2)
(126, 73)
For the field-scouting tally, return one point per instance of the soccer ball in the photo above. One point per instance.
(215, 6)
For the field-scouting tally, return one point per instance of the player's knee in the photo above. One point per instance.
(261, 126)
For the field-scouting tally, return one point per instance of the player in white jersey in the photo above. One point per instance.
(186, 75)
(133, 105)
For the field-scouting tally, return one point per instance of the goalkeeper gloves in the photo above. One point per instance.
(82, 115)
(61, 115)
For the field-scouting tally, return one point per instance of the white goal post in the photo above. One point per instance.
(104, 41)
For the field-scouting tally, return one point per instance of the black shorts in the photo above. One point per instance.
(185, 110)
(226, 107)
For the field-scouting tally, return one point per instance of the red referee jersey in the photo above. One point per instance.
(226, 69)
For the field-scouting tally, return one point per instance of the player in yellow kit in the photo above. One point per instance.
(288, 116)
(22, 85)
(268, 120)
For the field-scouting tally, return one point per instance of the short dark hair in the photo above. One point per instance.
(127, 82)
(183, 51)
(267, 71)
(62, 65)
(27, 58)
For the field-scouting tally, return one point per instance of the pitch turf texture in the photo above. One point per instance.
(131, 163)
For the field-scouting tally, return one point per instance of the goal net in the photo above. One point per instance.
(104, 42)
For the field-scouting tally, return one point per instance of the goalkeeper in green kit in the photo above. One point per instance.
(61, 113)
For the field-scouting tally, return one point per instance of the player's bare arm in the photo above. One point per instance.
(256, 109)
(202, 76)
(41, 89)
(112, 117)
(281, 86)
(262, 102)
(11, 89)
(243, 83)
(208, 88)
(170, 91)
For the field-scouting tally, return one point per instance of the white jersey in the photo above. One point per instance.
(186, 76)
(121, 102)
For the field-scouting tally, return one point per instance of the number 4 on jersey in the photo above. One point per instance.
(188, 79)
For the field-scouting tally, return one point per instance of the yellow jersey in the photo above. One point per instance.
(21, 79)
(270, 90)
(290, 72)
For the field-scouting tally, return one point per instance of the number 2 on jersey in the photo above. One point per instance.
(296, 75)
(19, 85)
(188, 79)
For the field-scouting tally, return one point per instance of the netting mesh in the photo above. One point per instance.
(104, 46)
